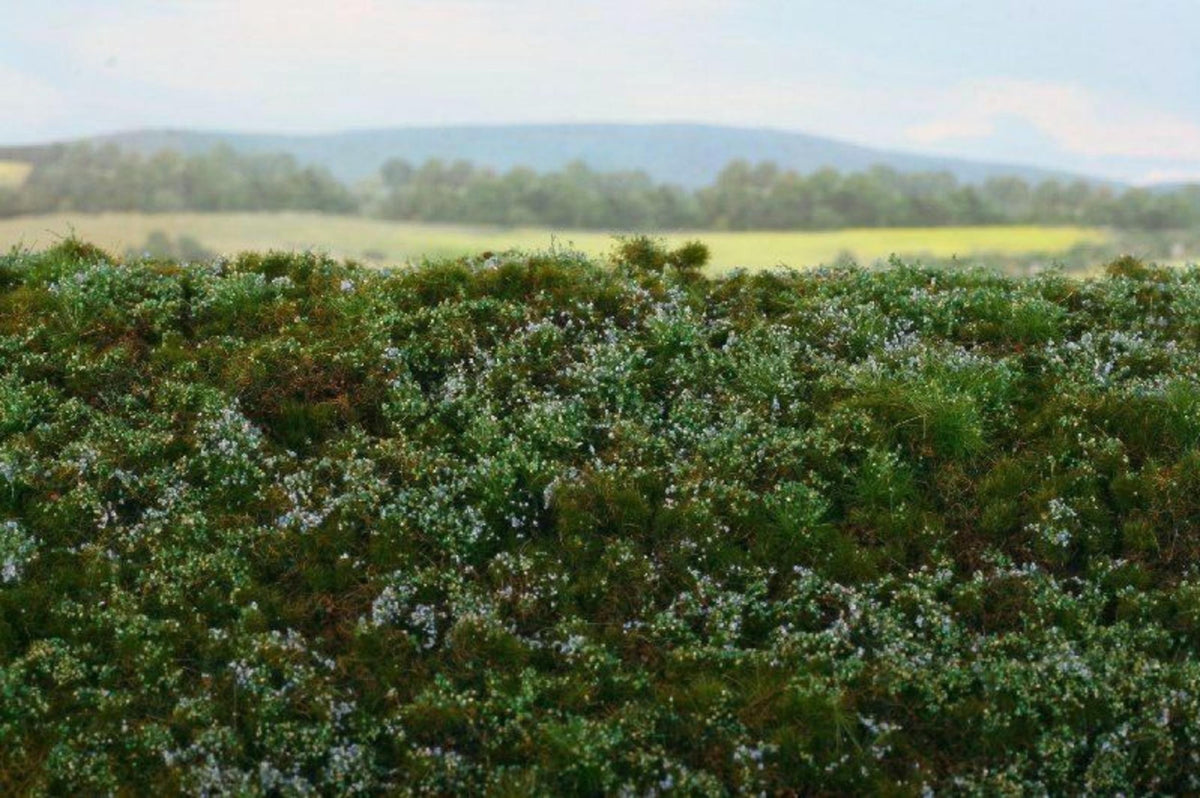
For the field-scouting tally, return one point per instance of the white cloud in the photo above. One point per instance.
(1082, 123)
(251, 47)
(30, 103)
(308, 65)
(319, 65)
(1180, 175)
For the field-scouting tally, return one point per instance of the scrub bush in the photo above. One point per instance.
(529, 524)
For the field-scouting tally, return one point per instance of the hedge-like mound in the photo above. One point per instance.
(536, 525)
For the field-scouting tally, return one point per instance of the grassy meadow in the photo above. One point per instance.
(377, 241)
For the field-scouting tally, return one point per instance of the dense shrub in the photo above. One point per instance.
(529, 524)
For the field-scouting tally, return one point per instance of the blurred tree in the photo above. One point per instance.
(744, 196)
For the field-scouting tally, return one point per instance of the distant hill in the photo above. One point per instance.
(1168, 188)
(686, 154)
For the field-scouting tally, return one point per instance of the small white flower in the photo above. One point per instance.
(17, 549)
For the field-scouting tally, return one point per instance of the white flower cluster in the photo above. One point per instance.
(17, 550)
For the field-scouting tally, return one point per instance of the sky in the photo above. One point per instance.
(1108, 88)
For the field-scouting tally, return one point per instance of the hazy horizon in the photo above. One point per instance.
(1105, 91)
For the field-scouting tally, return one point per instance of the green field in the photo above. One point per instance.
(13, 173)
(389, 242)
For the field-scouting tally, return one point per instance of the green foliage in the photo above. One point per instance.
(650, 255)
(81, 177)
(744, 196)
(527, 524)
(761, 196)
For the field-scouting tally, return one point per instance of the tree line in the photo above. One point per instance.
(82, 177)
(744, 196)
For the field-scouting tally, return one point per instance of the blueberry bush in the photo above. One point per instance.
(531, 524)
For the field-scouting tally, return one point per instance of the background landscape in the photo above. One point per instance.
(760, 198)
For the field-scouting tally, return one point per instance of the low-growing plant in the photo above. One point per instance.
(529, 524)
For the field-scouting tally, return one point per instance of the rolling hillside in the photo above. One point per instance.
(687, 154)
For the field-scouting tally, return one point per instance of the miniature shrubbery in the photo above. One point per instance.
(528, 524)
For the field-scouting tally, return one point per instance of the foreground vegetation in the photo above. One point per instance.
(379, 242)
(530, 524)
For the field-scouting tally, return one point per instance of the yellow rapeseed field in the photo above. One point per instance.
(385, 242)
(13, 173)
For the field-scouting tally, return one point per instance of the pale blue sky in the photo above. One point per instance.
(1109, 88)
